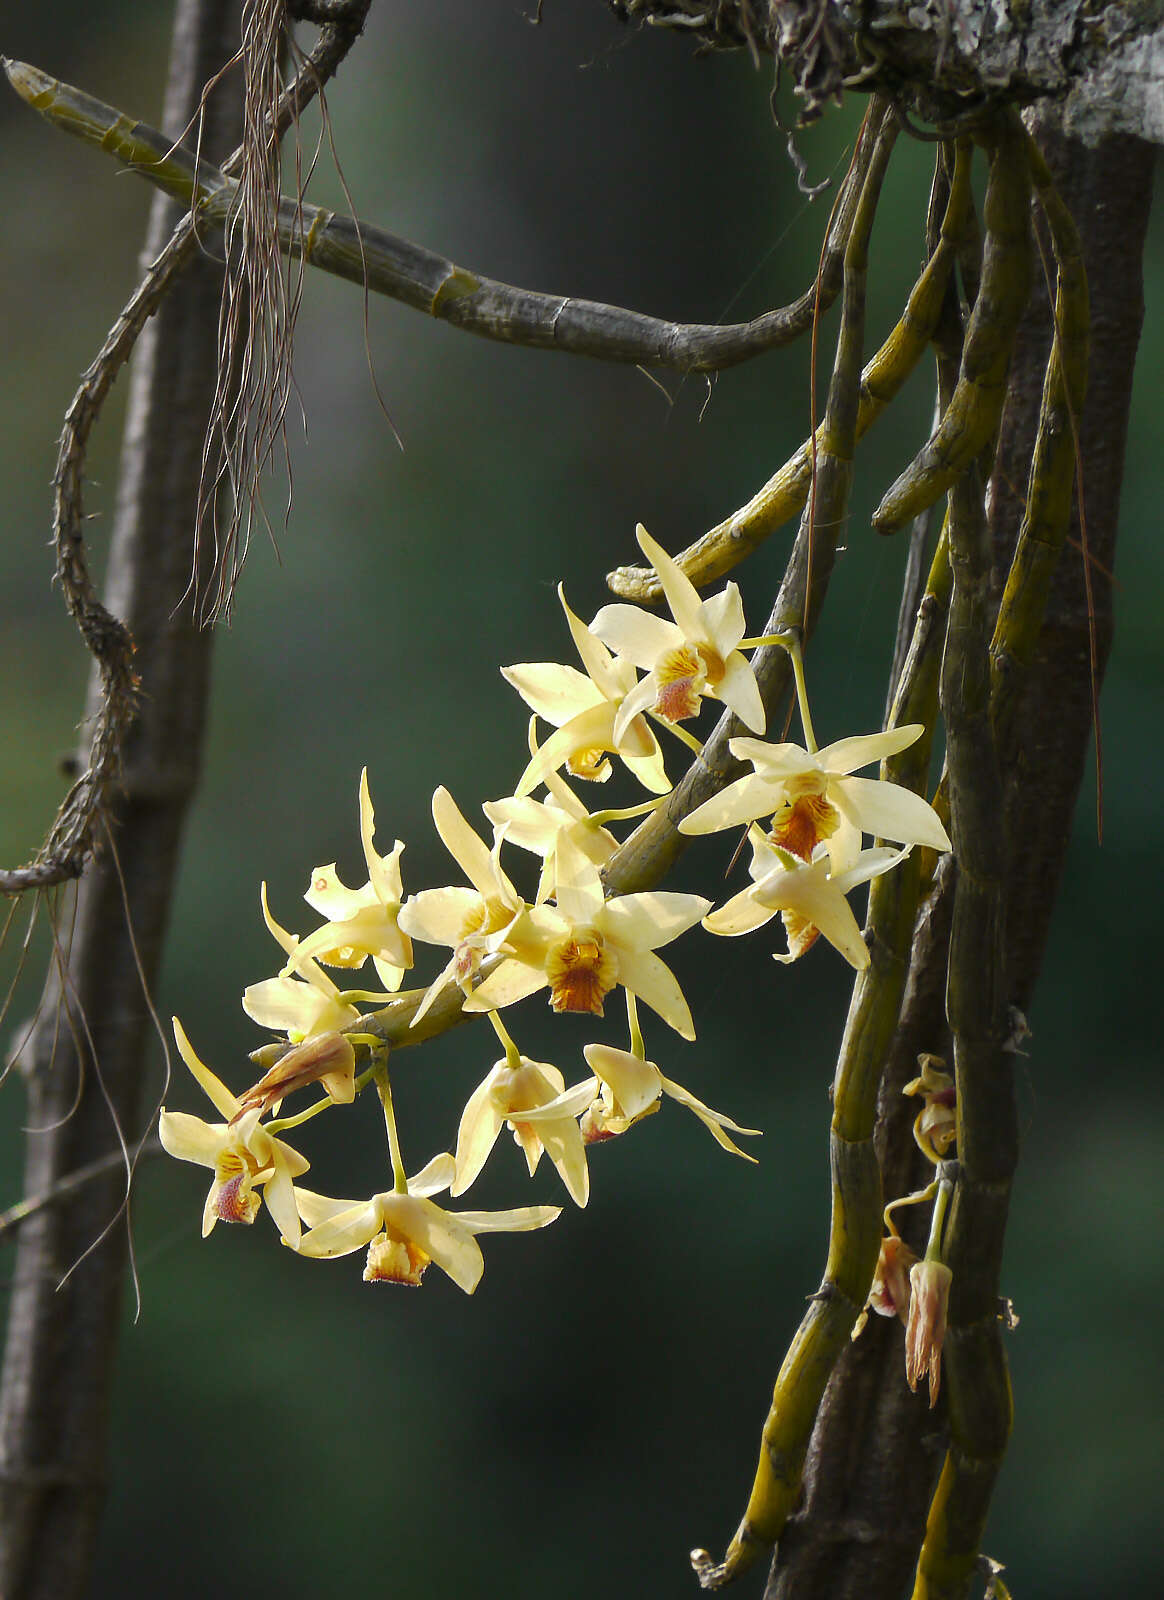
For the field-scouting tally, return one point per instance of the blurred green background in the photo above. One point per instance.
(594, 1410)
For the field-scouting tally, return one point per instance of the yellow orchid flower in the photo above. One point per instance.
(532, 1098)
(813, 799)
(361, 922)
(301, 1006)
(809, 898)
(585, 945)
(250, 1165)
(463, 919)
(694, 656)
(632, 1088)
(584, 708)
(536, 825)
(404, 1232)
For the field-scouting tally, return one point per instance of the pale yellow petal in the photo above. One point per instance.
(220, 1097)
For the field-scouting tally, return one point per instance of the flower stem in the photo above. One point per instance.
(384, 1090)
(512, 1053)
(938, 1220)
(625, 813)
(688, 738)
(916, 1199)
(280, 1124)
(789, 642)
(636, 1035)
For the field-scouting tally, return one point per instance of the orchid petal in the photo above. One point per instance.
(188, 1138)
(636, 634)
(555, 691)
(889, 811)
(653, 917)
(738, 690)
(861, 750)
(646, 976)
(682, 595)
(220, 1097)
(741, 801)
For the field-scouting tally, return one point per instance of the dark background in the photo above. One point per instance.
(593, 1411)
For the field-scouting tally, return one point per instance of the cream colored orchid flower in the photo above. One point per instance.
(464, 919)
(301, 1006)
(584, 708)
(694, 656)
(404, 1232)
(531, 1097)
(250, 1165)
(813, 799)
(632, 1088)
(361, 922)
(537, 825)
(810, 900)
(585, 945)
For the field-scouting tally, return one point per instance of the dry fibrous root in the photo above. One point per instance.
(70, 840)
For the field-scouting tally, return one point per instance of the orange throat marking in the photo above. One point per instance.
(582, 972)
(801, 824)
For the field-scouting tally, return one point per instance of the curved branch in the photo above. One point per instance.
(427, 281)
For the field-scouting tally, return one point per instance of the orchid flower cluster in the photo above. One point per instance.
(639, 672)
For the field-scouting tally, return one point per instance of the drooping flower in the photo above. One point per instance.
(463, 919)
(889, 1292)
(586, 945)
(632, 1088)
(537, 825)
(584, 708)
(531, 1097)
(694, 656)
(813, 799)
(250, 1165)
(936, 1125)
(405, 1232)
(925, 1329)
(303, 1005)
(809, 899)
(328, 1059)
(361, 922)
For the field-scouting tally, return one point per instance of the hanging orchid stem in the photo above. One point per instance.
(916, 1199)
(281, 1124)
(384, 1090)
(789, 641)
(688, 738)
(512, 1053)
(945, 1188)
(626, 813)
(636, 1033)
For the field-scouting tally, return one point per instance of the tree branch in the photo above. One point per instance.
(400, 270)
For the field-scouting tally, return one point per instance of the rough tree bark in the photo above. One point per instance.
(1104, 61)
(87, 1059)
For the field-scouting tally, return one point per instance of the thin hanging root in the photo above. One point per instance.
(785, 494)
(1053, 463)
(856, 1225)
(971, 419)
